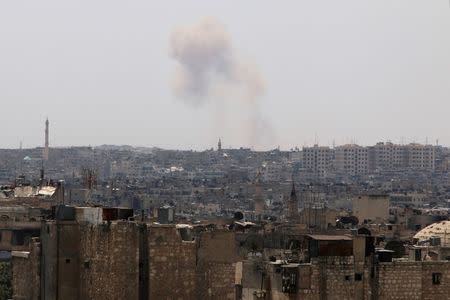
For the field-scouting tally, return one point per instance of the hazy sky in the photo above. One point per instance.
(344, 70)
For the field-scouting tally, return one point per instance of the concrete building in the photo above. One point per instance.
(408, 199)
(317, 159)
(420, 157)
(387, 156)
(390, 157)
(351, 160)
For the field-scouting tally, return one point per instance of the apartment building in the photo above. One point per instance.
(389, 156)
(351, 160)
(317, 159)
(420, 157)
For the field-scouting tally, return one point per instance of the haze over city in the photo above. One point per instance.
(105, 72)
(225, 150)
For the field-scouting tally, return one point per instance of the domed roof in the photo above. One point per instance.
(440, 229)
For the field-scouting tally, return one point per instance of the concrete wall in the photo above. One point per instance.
(372, 207)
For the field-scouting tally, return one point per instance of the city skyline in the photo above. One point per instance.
(332, 145)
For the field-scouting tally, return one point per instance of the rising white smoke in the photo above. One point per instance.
(210, 70)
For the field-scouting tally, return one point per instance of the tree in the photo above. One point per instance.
(5, 280)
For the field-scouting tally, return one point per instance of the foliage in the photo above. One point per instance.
(5, 280)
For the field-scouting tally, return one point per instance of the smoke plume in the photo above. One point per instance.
(210, 70)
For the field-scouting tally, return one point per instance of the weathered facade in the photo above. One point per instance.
(85, 258)
(125, 260)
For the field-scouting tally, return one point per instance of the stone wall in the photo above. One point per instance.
(216, 266)
(435, 291)
(109, 261)
(25, 269)
(414, 280)
(399, 280)
(203, 268)
(128, 260)
(172, 264)
(341, 278)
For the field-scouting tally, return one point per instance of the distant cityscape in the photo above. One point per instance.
(122, 222)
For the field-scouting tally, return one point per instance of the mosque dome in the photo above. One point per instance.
(440, 229)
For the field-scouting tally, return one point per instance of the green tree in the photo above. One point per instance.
(5, 280)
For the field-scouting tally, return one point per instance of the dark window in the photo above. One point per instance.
(347, 277)
(418, 255)
(67, 260)
(87, 264)
(358, 276)
(436, 278)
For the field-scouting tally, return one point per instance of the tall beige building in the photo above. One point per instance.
(420, 157)
(389, 156)
(317, 160)
(355, 160)
(386, 156)
(351, 160)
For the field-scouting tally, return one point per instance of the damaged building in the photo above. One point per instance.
(104, 253)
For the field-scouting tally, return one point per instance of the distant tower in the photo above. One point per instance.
(259, 201)
(45, 151)
(219, 145)
(292, 205)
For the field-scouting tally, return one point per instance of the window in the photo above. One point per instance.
(358, 276)
(436, 278)
(347, 277)
(87, 264)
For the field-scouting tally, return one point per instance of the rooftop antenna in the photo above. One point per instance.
(316, 139)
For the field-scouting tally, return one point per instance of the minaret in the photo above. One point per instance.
(259, 201)
(45, 151)
(219, 145)
(293, 205)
